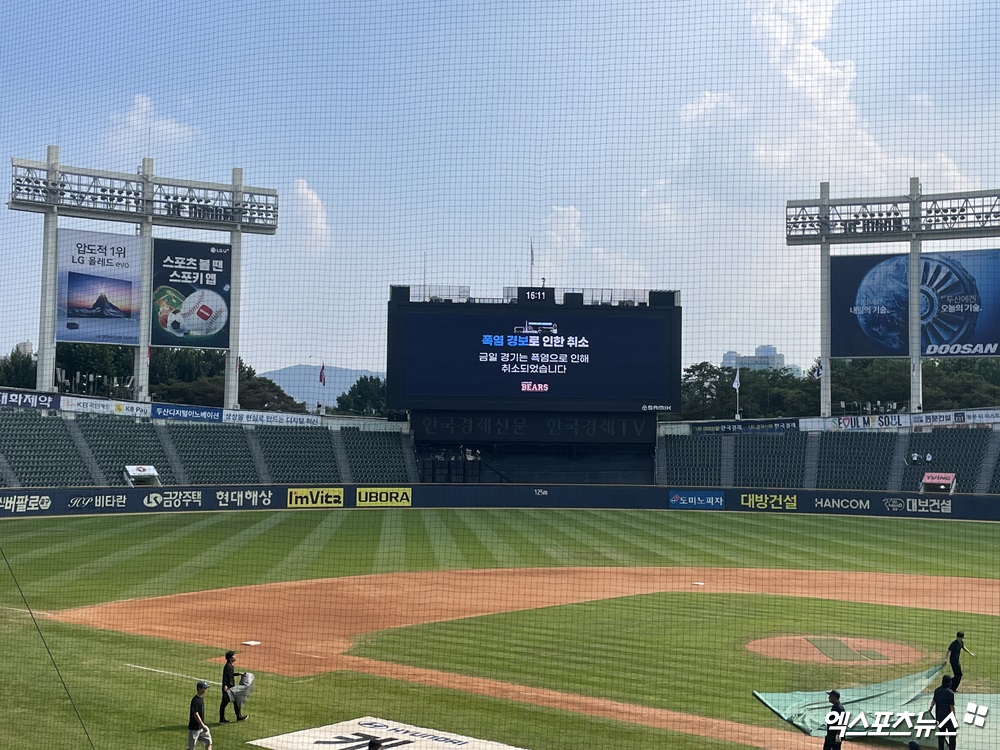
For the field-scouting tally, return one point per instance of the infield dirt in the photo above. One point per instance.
(306, 627)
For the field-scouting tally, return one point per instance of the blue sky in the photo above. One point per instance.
(636, 145)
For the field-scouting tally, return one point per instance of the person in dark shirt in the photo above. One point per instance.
(943, 708)
(955, 649)
(198, 732)
(229, 675)
(835, 717)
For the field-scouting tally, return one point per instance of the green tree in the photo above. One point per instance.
(17, 370)
(366, 396)
(198, 377)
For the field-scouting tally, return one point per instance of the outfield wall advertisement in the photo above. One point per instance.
(959, 305)
(25, 503)
(98, 287)
(191, 294)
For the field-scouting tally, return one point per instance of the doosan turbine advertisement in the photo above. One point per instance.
(959, 305)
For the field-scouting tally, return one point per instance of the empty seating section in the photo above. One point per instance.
(769, 460)
(40, 450)
(955, 451)
(299, 454)
(691, 460)
(555, 464)
(214, 453)
(375, 456)
(119, 441)
(855, 460)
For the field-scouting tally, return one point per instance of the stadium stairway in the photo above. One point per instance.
(7, 476)
(812, 461)
(895, 480)
(258, 456)
(172, 455)
(340, 451)
(410, 458)
(96, 473)
(985, 478)
(728, 460)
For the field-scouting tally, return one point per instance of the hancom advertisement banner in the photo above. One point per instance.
(959, 305)
(191, 291)
(97, 288)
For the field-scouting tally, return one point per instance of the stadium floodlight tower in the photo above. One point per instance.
(145, 200)
(909, 218)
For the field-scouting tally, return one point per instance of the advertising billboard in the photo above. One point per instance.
(98, 277)
(959, 305)
(591, 358)
(191, 290)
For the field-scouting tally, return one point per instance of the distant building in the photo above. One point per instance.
(765, 357)
(24, 347)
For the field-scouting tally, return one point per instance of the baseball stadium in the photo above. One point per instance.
(379, 376)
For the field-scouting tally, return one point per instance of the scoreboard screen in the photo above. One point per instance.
(468, 356)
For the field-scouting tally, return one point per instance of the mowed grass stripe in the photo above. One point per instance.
(668, 544)
(68, 536)
(632, 540)
(572, 541)
(144, 558)
(206, 554)
(538, 542)
(120, 571)
(650, 538)
(448, 554)
(504, 550)
(308, 534)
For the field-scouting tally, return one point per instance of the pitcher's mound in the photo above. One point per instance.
(830, 649)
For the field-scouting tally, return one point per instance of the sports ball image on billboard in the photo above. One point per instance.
(191, 286)
(98, 283)
(959, 305)
(516, 357)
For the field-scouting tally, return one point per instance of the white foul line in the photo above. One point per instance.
(24, 611)
(163, 671)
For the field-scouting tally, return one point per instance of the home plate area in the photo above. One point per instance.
(357, 734)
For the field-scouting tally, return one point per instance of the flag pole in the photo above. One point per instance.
(736, 385)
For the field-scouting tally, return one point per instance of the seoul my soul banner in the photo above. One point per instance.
(191, 293)
(97, 287)
(959, 305)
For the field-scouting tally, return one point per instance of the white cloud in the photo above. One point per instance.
(141, 132)
(308, 214)
(711, 104)
(819, 129)
(562, 227)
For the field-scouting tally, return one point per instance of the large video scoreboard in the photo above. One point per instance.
(533, 357)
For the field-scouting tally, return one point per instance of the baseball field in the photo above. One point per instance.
(541, 629)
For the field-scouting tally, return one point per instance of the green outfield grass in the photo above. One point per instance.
(677, 651)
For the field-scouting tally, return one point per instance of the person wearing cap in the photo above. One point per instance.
(229, 675)
(943, 709)
(198, 732)
(836, 720)
(955, 649)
